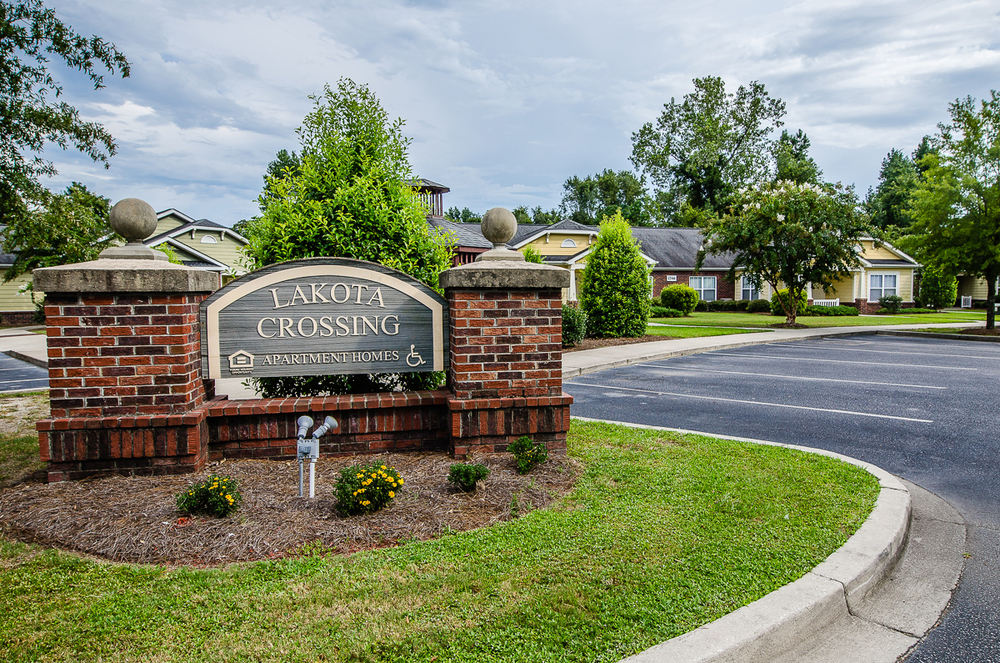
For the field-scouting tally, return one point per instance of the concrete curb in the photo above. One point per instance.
(765, 628)
(40, 363)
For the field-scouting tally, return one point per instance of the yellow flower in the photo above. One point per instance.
(400, 482)
(392, 494)
(383, 467)
(359, 476)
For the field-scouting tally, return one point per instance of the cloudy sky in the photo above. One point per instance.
(505, 99)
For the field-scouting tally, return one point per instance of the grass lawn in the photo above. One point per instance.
(678, 331)
(757, 320)
(663, 533)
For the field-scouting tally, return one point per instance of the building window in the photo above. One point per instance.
(208, 239)
(881, 285)
(568, 244)
(749, 290)
(705, 285)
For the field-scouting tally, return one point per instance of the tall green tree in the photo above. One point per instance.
(956, 206)
(63, 228)
(701, 150)
(349, 198)
(464, 215)
(586, 200)
(792, 161)
(31, 113)
(616, 288)
(889, 202)
(789, 235)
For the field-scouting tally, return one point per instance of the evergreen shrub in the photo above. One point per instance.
(574, 325)
(937, 289)
(783, 293)
(465, 475)
(615, 293)
(759, 306)
(680, 297)
(663, 312)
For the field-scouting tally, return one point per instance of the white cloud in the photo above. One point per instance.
(506, 100)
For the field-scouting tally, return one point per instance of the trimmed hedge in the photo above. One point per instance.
(681, 297)
(831, 310)
(783, 293)
(728, 305)
(759, 306)
(663, 312)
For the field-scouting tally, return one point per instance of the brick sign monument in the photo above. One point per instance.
(136, 343)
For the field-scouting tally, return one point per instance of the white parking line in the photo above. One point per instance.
(901, 352)
(793, 377)
(6, 382)
(838, 361)
(765, 404)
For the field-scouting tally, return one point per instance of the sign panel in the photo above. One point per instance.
(323, 316)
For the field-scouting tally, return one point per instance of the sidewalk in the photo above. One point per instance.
(21, 343)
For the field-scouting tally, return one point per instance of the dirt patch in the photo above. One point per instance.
(591, 343)
(18, 414)
(785, 325)
(134, 519)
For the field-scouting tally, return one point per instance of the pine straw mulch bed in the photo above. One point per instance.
(591, 343)
(134, 519)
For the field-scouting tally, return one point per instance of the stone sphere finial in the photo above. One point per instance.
(133, 219)
(498, 226)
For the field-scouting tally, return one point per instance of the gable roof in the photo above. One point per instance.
(188, 224)
(677, 248)
(467, 234)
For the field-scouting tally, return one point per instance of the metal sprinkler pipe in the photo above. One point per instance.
(304, 449)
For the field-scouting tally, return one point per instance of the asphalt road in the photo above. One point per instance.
(17, 375)
(926, 410)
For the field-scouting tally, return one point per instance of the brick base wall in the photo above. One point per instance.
(489, 425)
(369, 423)
(17, 317)
(79, 447)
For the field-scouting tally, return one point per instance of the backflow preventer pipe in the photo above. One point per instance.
(310, 449)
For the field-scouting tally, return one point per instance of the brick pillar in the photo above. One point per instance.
(505, 341)
(124, 368)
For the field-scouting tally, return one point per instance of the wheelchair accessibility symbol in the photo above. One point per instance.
(414, 359)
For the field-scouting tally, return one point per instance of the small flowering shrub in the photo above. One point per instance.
(366, 488)
(216, 496)
(465, 475)
(527, 454)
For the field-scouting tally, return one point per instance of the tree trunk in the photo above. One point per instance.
(791, 306)
(991, 288)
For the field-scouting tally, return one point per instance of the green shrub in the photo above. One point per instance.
(216, 496)
(890, 304)
(366, 488)
(662, 312)
(783, 293)
(531, 254)
(465, 475)
(759, 306)
(680, 297)
(831, 310)
(615, 292)
(937, 289)
(527, 454)
(702, 306)
(574, 326)
(728, 305)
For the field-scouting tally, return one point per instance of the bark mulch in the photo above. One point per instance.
(981, 331)
(135, 519)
